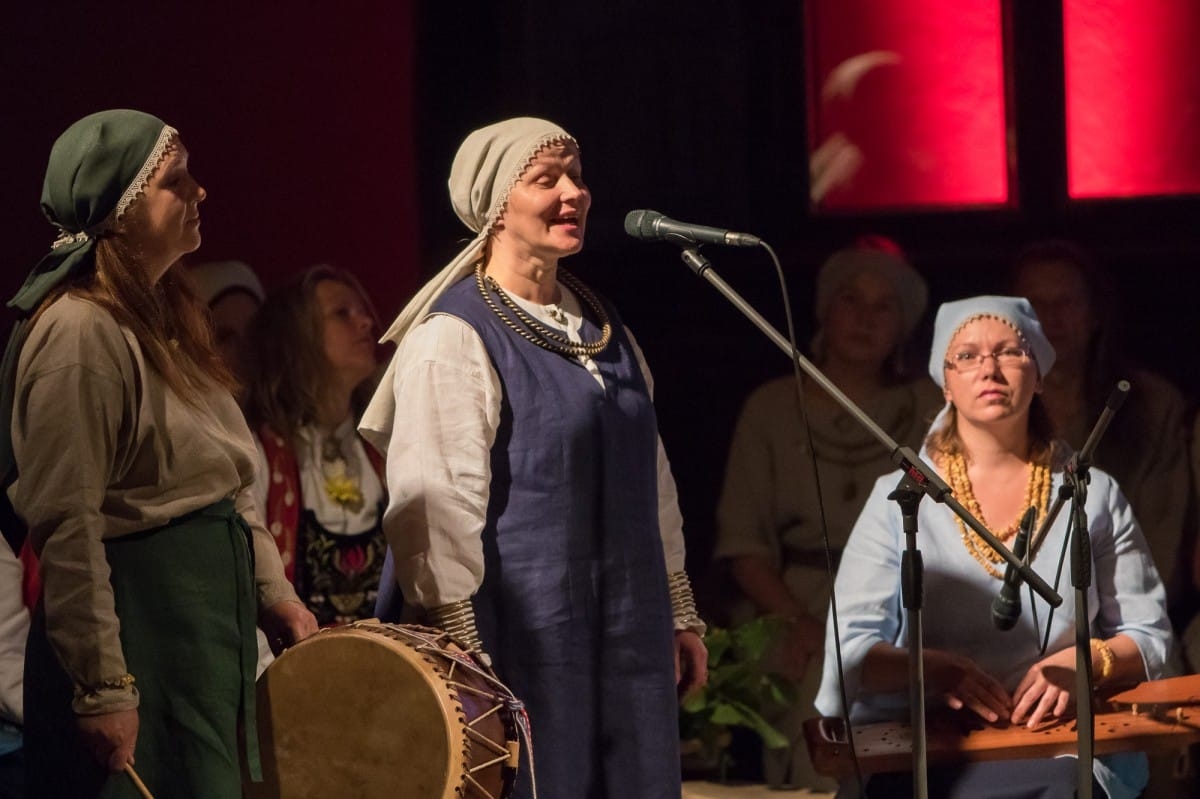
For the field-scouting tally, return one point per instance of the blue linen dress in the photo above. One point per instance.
(574, 607)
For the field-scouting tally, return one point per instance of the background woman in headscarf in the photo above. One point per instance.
(531, 504)
(233, 294)
(769, 519)
(322, 489)
(1145, 446)
(993, 445)
(133, 464)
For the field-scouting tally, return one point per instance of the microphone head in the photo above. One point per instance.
(640, 224)
(1005, 610)
(1006, 607)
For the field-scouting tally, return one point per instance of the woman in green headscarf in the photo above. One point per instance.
(132, 468)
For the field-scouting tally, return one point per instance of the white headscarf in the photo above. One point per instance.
(845, 265)
(212, 279)
(488, 164)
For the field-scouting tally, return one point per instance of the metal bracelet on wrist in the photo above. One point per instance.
(457, 620)
(119, 684)
(683, 603)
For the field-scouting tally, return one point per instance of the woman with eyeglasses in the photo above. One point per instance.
(796, 474)
(1145, 447)
(993, 444)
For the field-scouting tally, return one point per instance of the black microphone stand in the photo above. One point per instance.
(918, 480)
(1076, 476)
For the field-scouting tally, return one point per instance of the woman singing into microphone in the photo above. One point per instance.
(532, 513)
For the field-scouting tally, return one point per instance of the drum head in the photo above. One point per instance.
(354, 713)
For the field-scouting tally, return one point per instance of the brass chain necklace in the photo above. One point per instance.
(1037, 494)
(533, 331)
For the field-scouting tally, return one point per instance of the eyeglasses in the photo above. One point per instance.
(966, 362)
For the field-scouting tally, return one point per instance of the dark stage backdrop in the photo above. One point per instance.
(325, 133)
(698, 110)
(299, 121)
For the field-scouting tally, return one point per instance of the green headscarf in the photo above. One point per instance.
(97, 168)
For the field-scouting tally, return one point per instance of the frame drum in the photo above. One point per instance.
(383, 710)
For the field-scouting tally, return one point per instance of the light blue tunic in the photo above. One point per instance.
(1126, 596)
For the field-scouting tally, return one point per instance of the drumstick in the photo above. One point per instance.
(137, 781)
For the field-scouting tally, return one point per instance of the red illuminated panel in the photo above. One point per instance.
(907, 104)
(1133, 97)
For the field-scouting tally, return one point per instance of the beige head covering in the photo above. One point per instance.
(488, 164)
(213, 279)
(845, 265)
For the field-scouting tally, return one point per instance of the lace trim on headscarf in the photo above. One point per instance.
(502, 198)
(987, 315)
(142, 179)
(66, 238)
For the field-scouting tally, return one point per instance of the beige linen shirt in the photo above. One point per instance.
(105, 448)
(768, 505)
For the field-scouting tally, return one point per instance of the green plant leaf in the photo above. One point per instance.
(781, 690)
(740, 689)
(754, 638)
(718, 642)
(739, 714)
(695, 703)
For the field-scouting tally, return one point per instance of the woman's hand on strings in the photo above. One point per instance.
(1046, 689)
(965, 685)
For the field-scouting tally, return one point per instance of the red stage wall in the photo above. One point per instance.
(924, 117)
(299, 122)
(1133, 97)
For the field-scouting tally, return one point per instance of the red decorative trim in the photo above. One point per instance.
(283, 483)
(283, 496)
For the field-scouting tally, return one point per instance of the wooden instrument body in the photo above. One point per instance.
(1154, 716)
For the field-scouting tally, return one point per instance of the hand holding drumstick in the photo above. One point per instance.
(111, 737)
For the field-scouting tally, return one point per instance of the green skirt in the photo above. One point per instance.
(185, 599)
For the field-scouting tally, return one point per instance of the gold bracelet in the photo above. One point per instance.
(119, 684)
(1107, 658)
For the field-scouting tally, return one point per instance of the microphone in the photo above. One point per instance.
(653, 226)
(1115, 400)
(1081, 461)
(1007, 606)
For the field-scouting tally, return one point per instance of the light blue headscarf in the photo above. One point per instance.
(1015, 311)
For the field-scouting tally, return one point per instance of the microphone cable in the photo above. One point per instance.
(829, 565)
